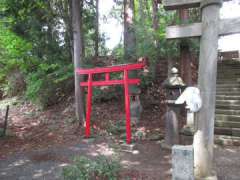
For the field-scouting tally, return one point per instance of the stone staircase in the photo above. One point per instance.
(227, 123)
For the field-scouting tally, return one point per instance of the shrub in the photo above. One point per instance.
(84, 168)
(49, 84)
(15, 84)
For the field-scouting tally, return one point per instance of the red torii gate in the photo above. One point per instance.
(108, 82)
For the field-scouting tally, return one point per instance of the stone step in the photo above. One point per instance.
(227, 97)
(227, 77)
(227, 112)
(227, 124)
(229, 63)
(225, 107)
(228, 67)
(228, 102)
(223, 69)
(228, 72)
(226, 81)
(227, 131)
(234, 62)
(220, 86)
(228, 93)
(227, 140)
(223, 117)
(228, 88)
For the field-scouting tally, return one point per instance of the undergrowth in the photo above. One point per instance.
(84, 168)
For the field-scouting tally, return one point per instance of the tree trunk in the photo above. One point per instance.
(81, 30)
(148, 13)
(77, 46)
(129, 32)
(97, 30)
(130, 56)
(155, 22)
(141, 11)
(69, 30)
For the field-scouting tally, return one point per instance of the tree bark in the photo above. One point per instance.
(81, 29)
(97, 30)
(155, 21)
(129, 38)
(129, 32)
(130, 57)
(77, 46)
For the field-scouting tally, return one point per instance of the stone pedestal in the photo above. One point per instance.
(182, 163)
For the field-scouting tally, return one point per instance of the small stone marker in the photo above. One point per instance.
(128, 147)
(182, 162)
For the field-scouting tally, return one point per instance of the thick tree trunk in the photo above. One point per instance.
(97, 30)
(129, 32)
(130, 56)
(129, 37)
(77, 46)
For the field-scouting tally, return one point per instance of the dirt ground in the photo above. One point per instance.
(40, 143)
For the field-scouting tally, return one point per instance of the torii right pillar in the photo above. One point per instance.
(204, 137)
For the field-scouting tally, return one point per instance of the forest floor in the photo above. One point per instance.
(40, 143)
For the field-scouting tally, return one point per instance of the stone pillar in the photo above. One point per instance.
(171, 128)
(136, 109)
(174, 86)
(204, 137)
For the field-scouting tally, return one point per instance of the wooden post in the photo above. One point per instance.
(204, 137)
(5, 121)
(127, 107)
(185, 55)
(89, 106)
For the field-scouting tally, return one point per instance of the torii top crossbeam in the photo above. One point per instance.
(226, 26)
(181, 4)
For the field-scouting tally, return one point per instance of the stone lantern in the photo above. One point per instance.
(174, 86)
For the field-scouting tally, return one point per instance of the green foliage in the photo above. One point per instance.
(106, 93)
(14, 58)
(87, 169)
(36, 39)
(49, 84)
(153, 43)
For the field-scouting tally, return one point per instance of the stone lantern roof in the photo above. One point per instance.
(174, 81)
